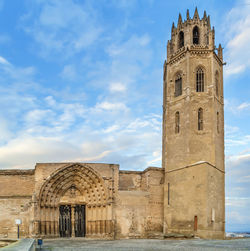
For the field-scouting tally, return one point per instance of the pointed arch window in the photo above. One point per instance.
(217, 83)
(181, 39)
(200, 80)
(196, 36)
(177, 122)
(200, 119)
(178, 85)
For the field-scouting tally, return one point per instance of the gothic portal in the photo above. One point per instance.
(185, 196)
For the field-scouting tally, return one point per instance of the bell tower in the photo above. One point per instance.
(193, 130)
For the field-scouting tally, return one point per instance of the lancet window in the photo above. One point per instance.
(196, 36)
(200, 76)
(181, 39)
(178, 85)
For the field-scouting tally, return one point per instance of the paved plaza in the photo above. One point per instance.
(134, 245)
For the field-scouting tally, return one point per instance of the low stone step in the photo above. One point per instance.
(178, 235)
(155, 235)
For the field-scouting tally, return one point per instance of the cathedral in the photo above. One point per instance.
(186, 196)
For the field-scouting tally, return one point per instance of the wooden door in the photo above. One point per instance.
(195, 223)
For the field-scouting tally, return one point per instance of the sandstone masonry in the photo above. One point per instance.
(186, 196)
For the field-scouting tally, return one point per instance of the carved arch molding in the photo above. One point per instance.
(76, 184)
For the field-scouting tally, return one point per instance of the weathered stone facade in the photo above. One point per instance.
(185, 196)
(119, 204)
(193, 131)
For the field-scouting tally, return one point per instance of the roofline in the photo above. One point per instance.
(17, 171)
(150, 168)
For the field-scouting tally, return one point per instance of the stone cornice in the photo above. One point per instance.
(194, 50)
(196, 164)
(17, 172)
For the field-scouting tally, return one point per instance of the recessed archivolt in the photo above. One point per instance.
(82, 177)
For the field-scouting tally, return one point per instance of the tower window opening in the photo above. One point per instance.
(200, 119)
(200, 80)
(195, 35)
(181, 39)
(178, 85)
(217, 83)
(168, 193)
(218, 122)
(177, 122)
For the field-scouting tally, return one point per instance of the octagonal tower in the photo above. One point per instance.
(193, 131)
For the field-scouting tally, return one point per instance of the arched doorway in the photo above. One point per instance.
(72, 214)
(74, 202)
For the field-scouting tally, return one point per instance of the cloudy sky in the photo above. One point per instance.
(82, 81)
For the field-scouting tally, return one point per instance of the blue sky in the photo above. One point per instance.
(82, 81)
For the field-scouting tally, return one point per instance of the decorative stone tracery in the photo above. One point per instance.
(72, 185)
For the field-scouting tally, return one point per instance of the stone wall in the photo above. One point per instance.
(16, 189)
(195, 191)
(139, 206)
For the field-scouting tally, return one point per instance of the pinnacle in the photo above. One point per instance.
(180, 19)
(208, 22)
(196, 14)
(188, 14)
(205, 15)
(173, 26)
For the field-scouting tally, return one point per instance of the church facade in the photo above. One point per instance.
(186, 195)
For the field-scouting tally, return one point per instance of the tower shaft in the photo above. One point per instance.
(193, 131)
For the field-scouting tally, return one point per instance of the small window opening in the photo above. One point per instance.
(200, 119)
(218, 122)
(195, 35)
(217, 83)
(168, 193)
(177, 122)
(178, 85)
(181, 39)
(199, 80)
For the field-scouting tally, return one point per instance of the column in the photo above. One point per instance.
(47, 220)
(52, 221)
(73, 220)
(57, 221)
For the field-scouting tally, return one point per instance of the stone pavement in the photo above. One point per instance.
(145, 244)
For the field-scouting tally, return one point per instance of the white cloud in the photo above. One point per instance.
(4, 61)
(69, 72)
(237, 201)
(5, 132)
(37, 115)
(62, 26)
(131, 48)
(50, 100)
(111, 128)
(108, 106)
(117, 87)
(17, 73)
(237, 27)
(243, 106)
(25, 151)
